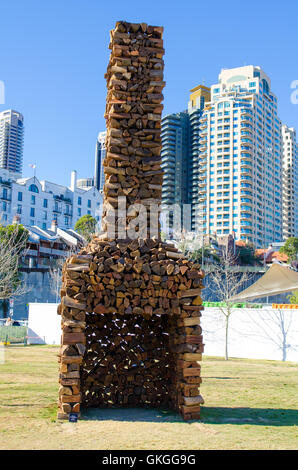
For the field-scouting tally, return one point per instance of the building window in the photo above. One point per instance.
(89, 203)
(33, 188)
(79, 201)
(79, 211)
(89, 212)
(45, 215)
(32, 212)
(33, 199)
(45, 203)
(19, 209)
(20, 196)
(44, 226)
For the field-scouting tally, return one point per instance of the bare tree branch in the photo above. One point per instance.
(55, 273)
(12, 247)
(226, 284)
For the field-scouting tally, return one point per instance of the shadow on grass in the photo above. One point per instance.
(221, 378)
(214, 415)
(254, 416)
(131, 414)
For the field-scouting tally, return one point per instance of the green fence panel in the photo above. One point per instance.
(13, 334)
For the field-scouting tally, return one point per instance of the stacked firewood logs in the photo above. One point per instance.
(133, 114)
(131, 330)
(145, 372)
(131, 306)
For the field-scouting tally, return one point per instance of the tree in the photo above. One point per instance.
(294, 297)
(246, 255)
(13, 240)
(55, 273)
(226, 283)
(290, 248)
(86, 226)
(200, 255)
(190, 244)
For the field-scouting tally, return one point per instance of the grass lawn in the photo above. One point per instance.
(249, 404)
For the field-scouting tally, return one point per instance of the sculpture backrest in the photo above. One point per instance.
(133, 175)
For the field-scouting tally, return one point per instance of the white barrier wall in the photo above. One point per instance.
(254, 333)
(44, 325)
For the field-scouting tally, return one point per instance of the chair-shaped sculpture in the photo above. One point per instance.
(130, 304)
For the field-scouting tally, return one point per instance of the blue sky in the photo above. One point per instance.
(54, 54)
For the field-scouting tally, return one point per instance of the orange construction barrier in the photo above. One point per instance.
(282, 306)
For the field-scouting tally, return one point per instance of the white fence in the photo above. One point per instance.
(254, 333)
(44, 325)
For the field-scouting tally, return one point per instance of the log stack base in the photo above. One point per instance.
(131, 334)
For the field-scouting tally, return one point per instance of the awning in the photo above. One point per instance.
(276, 280)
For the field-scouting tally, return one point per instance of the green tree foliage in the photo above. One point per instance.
(86, 226)
(18, 233)
(294, 297)
(246, 255)
(207, 252)
(290, 248)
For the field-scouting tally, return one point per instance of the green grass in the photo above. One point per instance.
(249, 404)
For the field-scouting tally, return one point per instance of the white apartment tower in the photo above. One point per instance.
(290, 182)
(11, 141)
(100, 153)
(241, 158)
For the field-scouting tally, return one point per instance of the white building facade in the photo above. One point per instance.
(290, 182)
(11, 140)
(241, 158)
(40, 202)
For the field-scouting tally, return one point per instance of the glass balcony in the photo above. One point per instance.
(246, 126)
(246, 174)
(246, 163)
(246, 112)
(246, 157)
(245, 148)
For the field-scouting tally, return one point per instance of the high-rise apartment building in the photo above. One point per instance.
(175, 158)
(11, 140)
(200, 95)
(240, 187)
(175, 164)
(100, 153)
(180, 154)
(290, 182)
